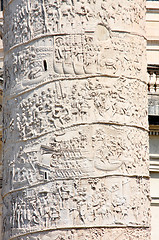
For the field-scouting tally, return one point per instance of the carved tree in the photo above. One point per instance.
(75, 120)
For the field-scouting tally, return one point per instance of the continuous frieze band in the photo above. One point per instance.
(75, 120)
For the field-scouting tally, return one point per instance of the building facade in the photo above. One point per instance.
(152, 28)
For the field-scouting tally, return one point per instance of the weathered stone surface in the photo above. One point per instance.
(78, 203)
(75, 120)
(31, 19)
(92, 234)
(74, 56)
(94, 150)
(63, 104)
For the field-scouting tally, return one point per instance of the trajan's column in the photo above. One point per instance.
(75, 120)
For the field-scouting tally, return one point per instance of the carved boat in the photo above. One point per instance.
(58, 68)
(68, 68)
(107, 166)
(78, 68)
(91, 69)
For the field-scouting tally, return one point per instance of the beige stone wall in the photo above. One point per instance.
(152, 28)
(152, 50)
(154, 173)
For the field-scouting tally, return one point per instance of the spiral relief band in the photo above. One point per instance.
(75, 120)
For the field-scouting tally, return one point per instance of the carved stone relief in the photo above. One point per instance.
(88, 203)
(81, 152)
(75, 120)
(93, 234)
(31, 19)
(59, 105)
(74, 57)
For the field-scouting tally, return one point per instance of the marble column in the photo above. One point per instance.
(75, 120)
